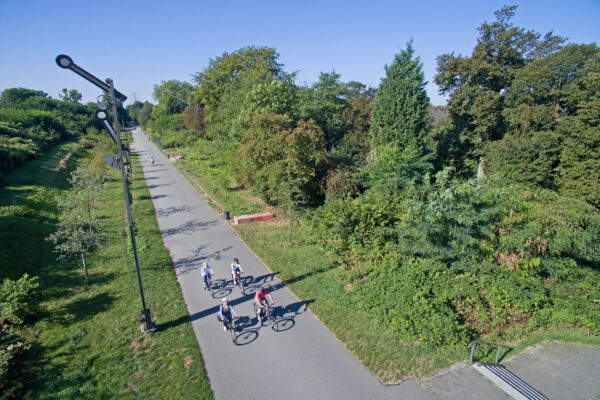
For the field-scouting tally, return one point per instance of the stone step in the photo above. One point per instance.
(509, 382)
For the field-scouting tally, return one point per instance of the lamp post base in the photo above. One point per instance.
(144, 330)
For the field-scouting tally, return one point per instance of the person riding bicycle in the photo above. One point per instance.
(206, 272)
(225, 311)
(152, 159)
(261, 301)
(236, 268)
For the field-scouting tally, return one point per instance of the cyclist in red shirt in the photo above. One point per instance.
(260, 300)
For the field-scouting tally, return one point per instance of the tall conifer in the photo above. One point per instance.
(400, 115)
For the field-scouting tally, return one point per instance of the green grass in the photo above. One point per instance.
(310, 273)
(86, 342)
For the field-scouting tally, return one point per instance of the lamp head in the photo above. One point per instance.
(64, 61)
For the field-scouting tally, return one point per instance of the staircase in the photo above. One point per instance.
(509, 382)
(547, 370)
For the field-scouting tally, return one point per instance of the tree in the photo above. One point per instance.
(477, 85)
(134, 109)
(356, 141)
(280, 156)
(78, 234)
(400, 115)
(173, 97)
(72, 238)
(222, 74)
(70, 96)
(11, 98)
(579, 169)
(145, 113)
(194, 119)
(256, 92)
(86, 182)
(324, 102)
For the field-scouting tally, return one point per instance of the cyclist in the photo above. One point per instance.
(152, 159)
(261, 301)
(236, 268)
(206, 272)
(225, 311)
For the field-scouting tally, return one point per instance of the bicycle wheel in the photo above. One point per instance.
(210, 287)
(232, 330)
(270, 318)
(241, 285)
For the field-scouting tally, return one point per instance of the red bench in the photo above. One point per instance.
(263, 216)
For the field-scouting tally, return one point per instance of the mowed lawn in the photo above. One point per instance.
(86, 342)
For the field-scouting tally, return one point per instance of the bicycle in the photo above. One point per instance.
(209, 284)
(230, 326)
(268, 317)
(240, 283)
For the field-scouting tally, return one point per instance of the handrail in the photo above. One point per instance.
(474, 344)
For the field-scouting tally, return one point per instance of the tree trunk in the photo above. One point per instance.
(481, 168)
(85, 273)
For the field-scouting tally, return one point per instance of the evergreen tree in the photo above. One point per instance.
(400, 115)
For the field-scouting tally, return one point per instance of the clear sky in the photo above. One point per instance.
(140, 43)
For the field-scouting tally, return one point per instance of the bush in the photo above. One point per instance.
(18, 299)
(12, 348)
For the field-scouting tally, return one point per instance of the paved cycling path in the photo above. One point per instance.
(300, 359)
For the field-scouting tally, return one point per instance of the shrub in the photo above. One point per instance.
(18, 299)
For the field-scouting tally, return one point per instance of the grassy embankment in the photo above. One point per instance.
(86, 342)
(309, 272)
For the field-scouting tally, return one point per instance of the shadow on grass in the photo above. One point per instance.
(80, 309)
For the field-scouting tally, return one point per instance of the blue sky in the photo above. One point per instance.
(141, 43)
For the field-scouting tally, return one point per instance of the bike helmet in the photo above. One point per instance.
(262, 288)
(235, 260)
(224, 300)
(205, 264)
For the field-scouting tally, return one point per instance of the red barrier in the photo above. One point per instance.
(263, 216)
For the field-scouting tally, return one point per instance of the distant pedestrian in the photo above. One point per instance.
(152, 160)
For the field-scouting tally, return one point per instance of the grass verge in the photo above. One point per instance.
(85, 342)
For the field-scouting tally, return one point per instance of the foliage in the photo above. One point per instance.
(30, 123)
(356, 142)
(14, 97)
(78, 233)
(400, 114)
(451, 261)
(172, 96)
(12, 350)
(579, 169)
(324, 103)
(70, 96)
(194, 119)
(526, 158)
(222, 74)
(277, 157)
(478, 84)
(18, 299)
(256, 92)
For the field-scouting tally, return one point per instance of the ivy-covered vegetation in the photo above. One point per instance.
(446, 224)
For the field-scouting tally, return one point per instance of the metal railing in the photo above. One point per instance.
(474, 344)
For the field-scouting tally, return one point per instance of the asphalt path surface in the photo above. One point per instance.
(296, 359)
